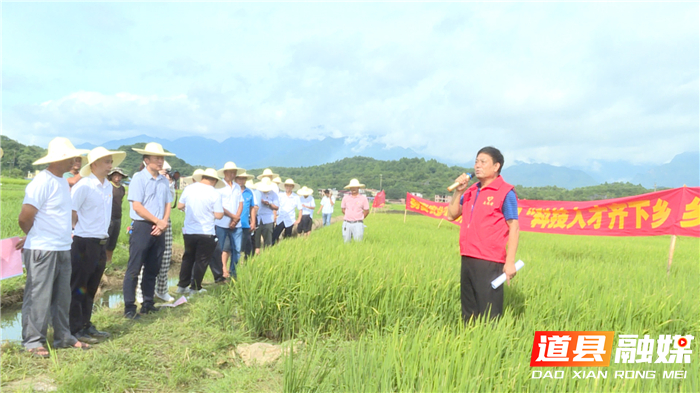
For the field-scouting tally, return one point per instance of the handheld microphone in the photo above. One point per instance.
(455, 184)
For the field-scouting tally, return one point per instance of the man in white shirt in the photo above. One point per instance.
(326, 208)
(232, 201)
(289, 202)
(46, 220)
(202, 205)
(92, 212)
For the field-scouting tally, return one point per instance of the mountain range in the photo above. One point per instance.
(683, 169)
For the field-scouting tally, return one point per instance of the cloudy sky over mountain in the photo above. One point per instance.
(558, 83)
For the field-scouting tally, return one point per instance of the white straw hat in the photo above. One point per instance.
(166, 166)
(229, 166)
(61, 149)
(197, 172)
(100, 152)
(267, 172)
(209, 172)
(265, 185)
(354, 184)
(290, 181)
(250, 184)
(277, 180)
(305, 191)
(244, 174)
(152, 149)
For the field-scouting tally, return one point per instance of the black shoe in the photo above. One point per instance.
(131, 314)
(92, 331)
(82, 337)
(149, 309)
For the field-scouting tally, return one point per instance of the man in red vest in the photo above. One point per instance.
(489, 234)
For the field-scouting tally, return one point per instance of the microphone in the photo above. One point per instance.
(455, 184)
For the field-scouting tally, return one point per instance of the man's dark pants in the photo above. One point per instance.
(88, 259)
(477, 295)
(246, 242)
(147, 251)
(279, 228)
(215, 264)
(198, 251)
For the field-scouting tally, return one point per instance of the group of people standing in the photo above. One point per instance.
(72, 217)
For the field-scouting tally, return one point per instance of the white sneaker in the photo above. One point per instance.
(200, 291)
(165, 297)
(184, 291)
(139, 298)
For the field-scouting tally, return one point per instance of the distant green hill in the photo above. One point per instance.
(17, 159)
(427, 177)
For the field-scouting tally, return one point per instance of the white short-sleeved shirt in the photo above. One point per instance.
(52, 224)
(326, 206)
(230, 199)
(288, 203)
(201, 202)
(307, 201)
(92, 201)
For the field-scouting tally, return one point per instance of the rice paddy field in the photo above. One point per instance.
(383, 315)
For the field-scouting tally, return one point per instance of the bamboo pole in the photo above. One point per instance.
(670, 254)
(441, 220)
(404, 214)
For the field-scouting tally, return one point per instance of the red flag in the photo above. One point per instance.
(379, 199)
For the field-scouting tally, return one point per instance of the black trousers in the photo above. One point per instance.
(215, 263)
(279, 228)
(145, 251)
(478, 298)
(246, 243)
(198, 252)
(88, 259)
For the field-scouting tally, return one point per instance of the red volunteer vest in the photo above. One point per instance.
(484, 231)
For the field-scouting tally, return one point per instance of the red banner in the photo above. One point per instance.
(428, 208)
(669, 212)
(379, 199)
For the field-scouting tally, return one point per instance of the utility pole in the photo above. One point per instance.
(380, 182)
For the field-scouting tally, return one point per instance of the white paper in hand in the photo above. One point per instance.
(502, 278)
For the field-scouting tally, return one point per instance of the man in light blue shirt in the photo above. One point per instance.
(149, 199)
(269, 203)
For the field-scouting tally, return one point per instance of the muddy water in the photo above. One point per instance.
(11, 316)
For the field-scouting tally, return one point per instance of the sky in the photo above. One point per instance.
(555, 83)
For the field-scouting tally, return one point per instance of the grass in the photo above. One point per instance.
(384, 315)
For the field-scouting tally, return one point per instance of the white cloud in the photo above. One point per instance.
(556, 83)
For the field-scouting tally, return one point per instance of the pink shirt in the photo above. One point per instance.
(354, 207)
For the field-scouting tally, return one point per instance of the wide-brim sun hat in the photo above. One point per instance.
(265, 185)
(166, 166)
(354, 184)
(277, 180)
(291, 182)
(229, 166)
(209, 172)
(153, 149)
(249, 184)
(61, 149)
(98, 153)
(305, 191)
(267, 173)
(118, 170)
(244, 174)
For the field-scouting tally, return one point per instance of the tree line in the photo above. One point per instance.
(396, 177)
